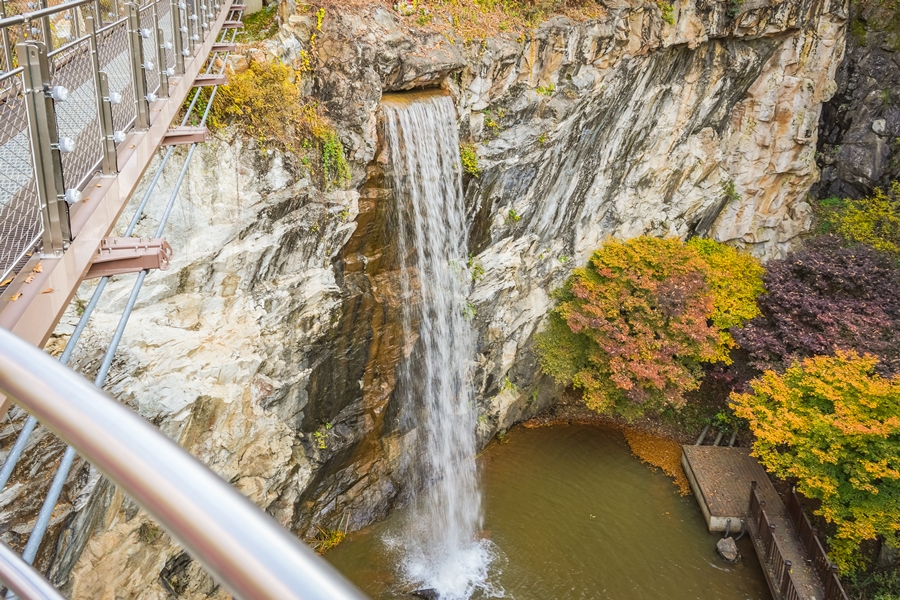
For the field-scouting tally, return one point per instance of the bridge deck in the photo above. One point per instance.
(721, 478)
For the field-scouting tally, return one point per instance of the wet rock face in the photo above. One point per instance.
(270, 349)
(859, 144)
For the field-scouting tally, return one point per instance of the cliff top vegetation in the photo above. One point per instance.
(266, 103)
(480, 18)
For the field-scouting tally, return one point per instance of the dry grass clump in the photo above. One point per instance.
(659, 452)
(475, 19)
(266, 102)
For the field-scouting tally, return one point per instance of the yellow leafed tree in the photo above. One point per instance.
(833, 424)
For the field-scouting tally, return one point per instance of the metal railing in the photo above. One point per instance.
(763, 534)
(76, 77)
(821, 564)
(245, 549)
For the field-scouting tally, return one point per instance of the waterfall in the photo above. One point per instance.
(441, 548)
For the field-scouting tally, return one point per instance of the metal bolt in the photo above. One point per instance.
(151, 97)
(119, 137)
(73, 196)
(170, 72)
(66, 145)
(167, 45)
(59, 93)
(148, 65)
(115, 98)
(184, 29)
(145, 33)
(185, 52)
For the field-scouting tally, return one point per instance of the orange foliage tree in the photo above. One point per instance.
(632, 328)
(832, 423)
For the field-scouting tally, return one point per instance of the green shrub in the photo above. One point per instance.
(874, 221)
(469, 159)
(261, 25)
(667, 11)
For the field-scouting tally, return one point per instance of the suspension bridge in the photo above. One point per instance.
(90, 90)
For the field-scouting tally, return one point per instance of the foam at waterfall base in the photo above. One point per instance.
(467, 573)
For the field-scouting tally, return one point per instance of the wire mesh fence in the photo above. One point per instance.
(20, 218)
(166, 24)
(78, 118)
(148, 40)
(115, 61)
(70, 75)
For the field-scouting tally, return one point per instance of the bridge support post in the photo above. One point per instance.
(46, 31)
(45, 148)
(179, 29)
(136, 53)
(161, 53)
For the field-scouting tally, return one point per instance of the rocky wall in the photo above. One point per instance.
(859, 145)
(270, 349)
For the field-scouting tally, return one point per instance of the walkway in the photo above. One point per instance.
(721, 479)
(70, 162)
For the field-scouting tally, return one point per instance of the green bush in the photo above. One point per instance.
(469, 159)
(874, 221)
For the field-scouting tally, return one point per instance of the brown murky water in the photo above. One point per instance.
(571, 514)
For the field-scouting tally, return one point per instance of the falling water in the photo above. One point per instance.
(441, 550)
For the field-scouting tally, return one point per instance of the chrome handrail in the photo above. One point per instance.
(41, 13)
(240, 545)
(22, 579)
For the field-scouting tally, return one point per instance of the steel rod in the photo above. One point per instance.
(44, 12)
(244, 548)
(22, 579)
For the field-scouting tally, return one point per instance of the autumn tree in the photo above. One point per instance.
(735, 279)
(822, 297)
(833, 424)
(632, 328)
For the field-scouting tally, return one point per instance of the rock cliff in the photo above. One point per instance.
(859, 145)
(270, 349)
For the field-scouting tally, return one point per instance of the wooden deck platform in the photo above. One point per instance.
(721, 478)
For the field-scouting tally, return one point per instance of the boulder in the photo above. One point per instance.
(728, 550)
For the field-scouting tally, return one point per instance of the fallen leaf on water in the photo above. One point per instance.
(659, 452)
(16, 296)
(8, 281)
(30, 277)
(48, 290)
(38, 268)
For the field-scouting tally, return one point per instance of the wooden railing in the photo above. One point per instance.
(764, 536)
(809, 538)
